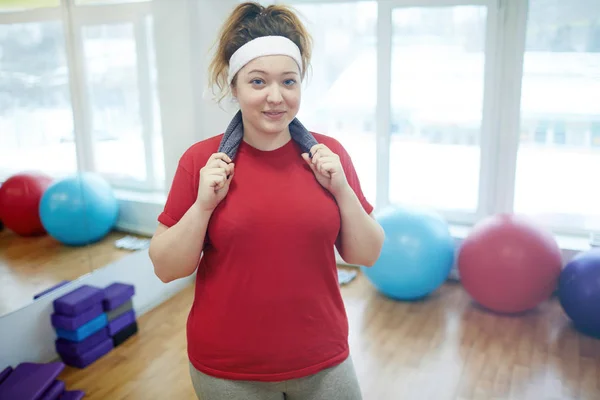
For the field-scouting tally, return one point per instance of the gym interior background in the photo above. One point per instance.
(474, 126)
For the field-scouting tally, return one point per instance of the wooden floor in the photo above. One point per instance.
(31, 265)
(442, 348)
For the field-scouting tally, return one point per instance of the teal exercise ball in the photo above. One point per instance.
(417, 255)
(79, 210)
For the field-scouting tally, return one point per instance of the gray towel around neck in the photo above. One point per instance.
(235, 133)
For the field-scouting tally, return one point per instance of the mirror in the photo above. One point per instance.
(55, 230)
(66, 110)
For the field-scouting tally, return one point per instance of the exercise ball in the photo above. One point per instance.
(417, 254)
(20, 197)
(509, 264)
(579, 291)
(79, 210)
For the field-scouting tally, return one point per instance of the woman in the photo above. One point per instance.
(264, 204)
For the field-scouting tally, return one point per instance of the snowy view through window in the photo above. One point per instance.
(436, 106)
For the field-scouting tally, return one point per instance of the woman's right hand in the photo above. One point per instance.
(215, 178)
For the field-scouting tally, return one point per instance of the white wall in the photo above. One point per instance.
(27, 334)
(138, 212)
(185, 30)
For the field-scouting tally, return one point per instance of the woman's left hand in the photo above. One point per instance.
(327, 168)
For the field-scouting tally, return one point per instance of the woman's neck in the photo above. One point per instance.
(265, 141)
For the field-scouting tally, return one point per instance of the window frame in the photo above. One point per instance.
(384, 32)
(506, 30)
(506, 34)
(384, 49)
(85, 15)
(74, 19)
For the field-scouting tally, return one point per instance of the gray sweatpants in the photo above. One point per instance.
(336, 383)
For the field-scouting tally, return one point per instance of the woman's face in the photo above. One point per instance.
(268, 90)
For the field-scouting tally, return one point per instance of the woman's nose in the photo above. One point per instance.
(274, 94)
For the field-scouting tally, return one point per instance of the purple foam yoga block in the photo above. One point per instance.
(67, 347)
(117, 294)
(53, 393)
(121, 322)
(71, 323)
(4, 374)
(73, 395)
(91, 356)
(30, 380)
(80, 299)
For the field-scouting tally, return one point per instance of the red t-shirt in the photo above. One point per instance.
(267, 303)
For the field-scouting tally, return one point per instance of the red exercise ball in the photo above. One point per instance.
(20, 198)
(509, 264)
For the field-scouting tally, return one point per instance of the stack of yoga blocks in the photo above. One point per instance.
(90, 322)
(35, 381)
(118, 306)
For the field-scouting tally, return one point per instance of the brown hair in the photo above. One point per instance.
(249, 21)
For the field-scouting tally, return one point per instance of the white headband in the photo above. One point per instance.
(263, 46)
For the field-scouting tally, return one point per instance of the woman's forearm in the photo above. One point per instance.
(362, 237)
(176, 252)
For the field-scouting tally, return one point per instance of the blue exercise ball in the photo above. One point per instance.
(579, 291)
(79, 210)
(417, 255)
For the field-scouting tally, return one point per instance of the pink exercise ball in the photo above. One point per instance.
(509, 264)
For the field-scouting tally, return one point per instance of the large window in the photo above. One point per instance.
(122, 119)
(437, 79)
(339, 97)
(559, 151)
(36, 119)
(99, 2)
(12, 5)
(470, 107)
(78, 91)
(402, 87)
